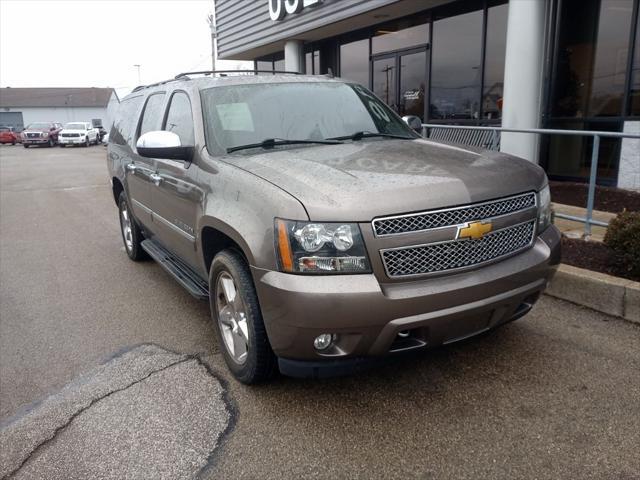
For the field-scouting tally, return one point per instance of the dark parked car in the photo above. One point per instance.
(8, 135)
(41, 133)
(323, 230)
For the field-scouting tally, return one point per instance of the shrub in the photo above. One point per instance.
(623, 237)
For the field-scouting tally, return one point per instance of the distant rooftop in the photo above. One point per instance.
(55, 97)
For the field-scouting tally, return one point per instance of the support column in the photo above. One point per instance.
(294, 56)
(523, 75)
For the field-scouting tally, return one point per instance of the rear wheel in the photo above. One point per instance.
(238, 320)
(131, 233)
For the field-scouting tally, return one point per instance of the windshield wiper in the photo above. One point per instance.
(360, 135)
(272, 142)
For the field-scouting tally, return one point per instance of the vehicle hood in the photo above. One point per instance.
(73, 130)
(357, 181)
(36, 130)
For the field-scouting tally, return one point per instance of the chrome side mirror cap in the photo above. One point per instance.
(164, 145)
(158, 139)
(414, 122)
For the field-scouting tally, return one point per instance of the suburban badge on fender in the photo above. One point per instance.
(473, 230)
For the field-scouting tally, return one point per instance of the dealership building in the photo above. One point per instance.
(562, 64)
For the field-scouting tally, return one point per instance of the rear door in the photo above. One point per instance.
(139, 170)
(175, 197)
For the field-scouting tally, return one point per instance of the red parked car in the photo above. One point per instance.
(8, 135)
(41, 133)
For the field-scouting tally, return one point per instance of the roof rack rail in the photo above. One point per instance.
(142, 87)
(225, 72)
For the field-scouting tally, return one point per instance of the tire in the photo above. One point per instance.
(259, 363)
(131, 234)
(13, 143)
(25, 145)
(62, 145)
(86, 142)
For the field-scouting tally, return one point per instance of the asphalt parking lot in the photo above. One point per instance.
(108, 369)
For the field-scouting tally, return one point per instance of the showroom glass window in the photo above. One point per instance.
(456, 67)
(354, 61)
(495, 51)
(592, 58)
(590, 71)
(400, 34)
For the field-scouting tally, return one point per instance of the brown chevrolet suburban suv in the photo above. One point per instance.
(323, 230)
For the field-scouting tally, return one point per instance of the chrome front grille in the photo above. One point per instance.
(417, 222)
(69, 135)
(457, 254)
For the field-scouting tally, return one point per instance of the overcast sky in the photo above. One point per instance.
(96, 43)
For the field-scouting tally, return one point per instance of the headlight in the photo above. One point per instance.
(312, 247)
(544, 209)
(44, 134)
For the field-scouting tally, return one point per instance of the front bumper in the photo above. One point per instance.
(367, 316)
(71, 140)
(36, 141)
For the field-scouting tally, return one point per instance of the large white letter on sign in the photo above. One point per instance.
(292, 6)
(276, 12)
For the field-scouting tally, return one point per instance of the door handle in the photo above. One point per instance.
(131, 168)
(155, 178)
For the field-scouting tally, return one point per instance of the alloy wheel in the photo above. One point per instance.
(232, 318)
(125, 222)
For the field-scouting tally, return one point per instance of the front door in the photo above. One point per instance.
(400, 80)
(140, 169)
(176, 198)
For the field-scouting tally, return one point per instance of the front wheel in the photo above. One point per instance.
(25, 145)
(131, 233)
(238, 320)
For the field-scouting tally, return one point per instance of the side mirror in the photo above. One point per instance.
(413, 122)
(165, 145)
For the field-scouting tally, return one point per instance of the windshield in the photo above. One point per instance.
(39, 126)
(248, 114)
(75, 126)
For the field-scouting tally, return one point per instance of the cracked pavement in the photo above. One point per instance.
(553, 395)
(148, 410)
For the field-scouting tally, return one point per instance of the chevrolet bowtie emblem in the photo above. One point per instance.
(475, 230)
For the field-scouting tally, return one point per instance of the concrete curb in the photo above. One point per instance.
(604, 293)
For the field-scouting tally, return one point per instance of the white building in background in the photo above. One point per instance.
(21, 106)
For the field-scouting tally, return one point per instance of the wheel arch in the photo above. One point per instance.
(117, 188)
(216, 236)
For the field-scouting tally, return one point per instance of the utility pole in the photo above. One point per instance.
(138, 67)
(212, 25)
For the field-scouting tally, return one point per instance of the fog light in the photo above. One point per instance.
(324, 341)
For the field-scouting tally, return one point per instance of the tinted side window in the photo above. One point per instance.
(179, 119)
(152, 115)
(125, 121)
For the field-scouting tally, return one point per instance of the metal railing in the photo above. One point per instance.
(593, 169)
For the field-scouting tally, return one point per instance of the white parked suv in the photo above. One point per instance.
(78, 133)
